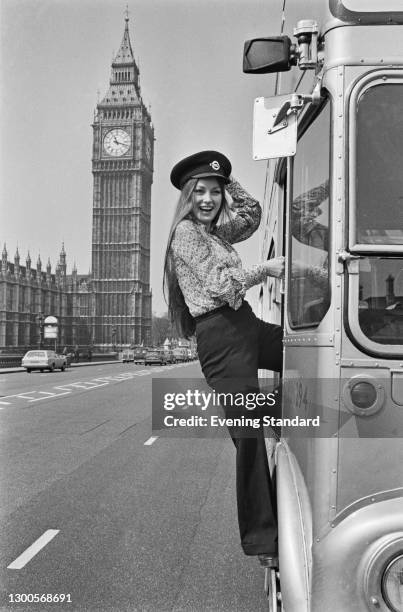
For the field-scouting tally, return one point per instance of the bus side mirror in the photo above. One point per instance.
(264, 55)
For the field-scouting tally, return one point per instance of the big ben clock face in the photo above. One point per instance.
(117, 142)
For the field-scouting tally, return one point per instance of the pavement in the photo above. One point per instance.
(72, 365)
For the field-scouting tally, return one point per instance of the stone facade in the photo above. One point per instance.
(28, 295)
(122, 167)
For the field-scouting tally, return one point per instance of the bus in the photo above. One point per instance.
(331, 128)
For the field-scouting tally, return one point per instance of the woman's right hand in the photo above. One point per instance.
(276, 267)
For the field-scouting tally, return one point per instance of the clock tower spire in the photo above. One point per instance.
(122, 166)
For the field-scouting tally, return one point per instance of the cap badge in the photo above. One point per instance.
(215, 165)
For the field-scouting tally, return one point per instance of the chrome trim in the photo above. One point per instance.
(344, 557)
(367, 501)
(376, 77)
(380, 395)
(295, 531)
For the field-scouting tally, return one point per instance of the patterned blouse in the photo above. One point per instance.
(208, 268)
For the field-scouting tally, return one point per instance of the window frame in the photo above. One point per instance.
(372, 79)
(309, 117)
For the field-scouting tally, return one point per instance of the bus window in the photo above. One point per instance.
(381, 299)
(309, 225)
(379, 164)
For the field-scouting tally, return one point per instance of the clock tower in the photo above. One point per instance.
(122, 166)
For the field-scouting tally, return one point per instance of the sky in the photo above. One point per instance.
(55, 56)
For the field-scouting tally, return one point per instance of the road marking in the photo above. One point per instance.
(24, 396)
(33, 550)
(151, 440)
(38, 399)
(70, 388)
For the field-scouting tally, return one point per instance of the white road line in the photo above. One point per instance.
(5, 403)
(33, 550)
(151, 440)
(79, 385)
(39, 399)
(24, 396)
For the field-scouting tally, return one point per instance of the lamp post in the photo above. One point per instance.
(40, 319)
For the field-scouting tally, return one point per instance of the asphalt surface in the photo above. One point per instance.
(136, 527)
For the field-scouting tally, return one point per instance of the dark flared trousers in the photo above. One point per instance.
(232, 345)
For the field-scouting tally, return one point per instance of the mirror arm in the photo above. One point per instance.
(294, 105)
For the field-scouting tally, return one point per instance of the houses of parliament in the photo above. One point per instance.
(110, 306)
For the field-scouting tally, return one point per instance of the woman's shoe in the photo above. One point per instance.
(268, 560)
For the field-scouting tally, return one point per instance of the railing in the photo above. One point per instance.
(10, 361)
(14, 361)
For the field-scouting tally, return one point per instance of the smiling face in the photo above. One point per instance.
(207, 200)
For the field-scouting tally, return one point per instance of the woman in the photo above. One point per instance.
(206, 287)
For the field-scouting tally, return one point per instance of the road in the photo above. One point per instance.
(122, 520)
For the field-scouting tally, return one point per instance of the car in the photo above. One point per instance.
(139, 353)
(43, 360)
(169, 355)
(180, 354)
(127, 356)
(155, 356)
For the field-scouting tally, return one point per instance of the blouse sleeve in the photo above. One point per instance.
(247, 215)
(193, 259)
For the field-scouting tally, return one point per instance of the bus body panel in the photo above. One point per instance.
(340, 497)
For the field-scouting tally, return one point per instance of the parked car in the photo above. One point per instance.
(180, 353)
(127, 355)
(43, 360)
(169, 354)
(139, 354)
(155, 355)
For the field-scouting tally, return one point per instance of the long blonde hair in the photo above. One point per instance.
(178, 310)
